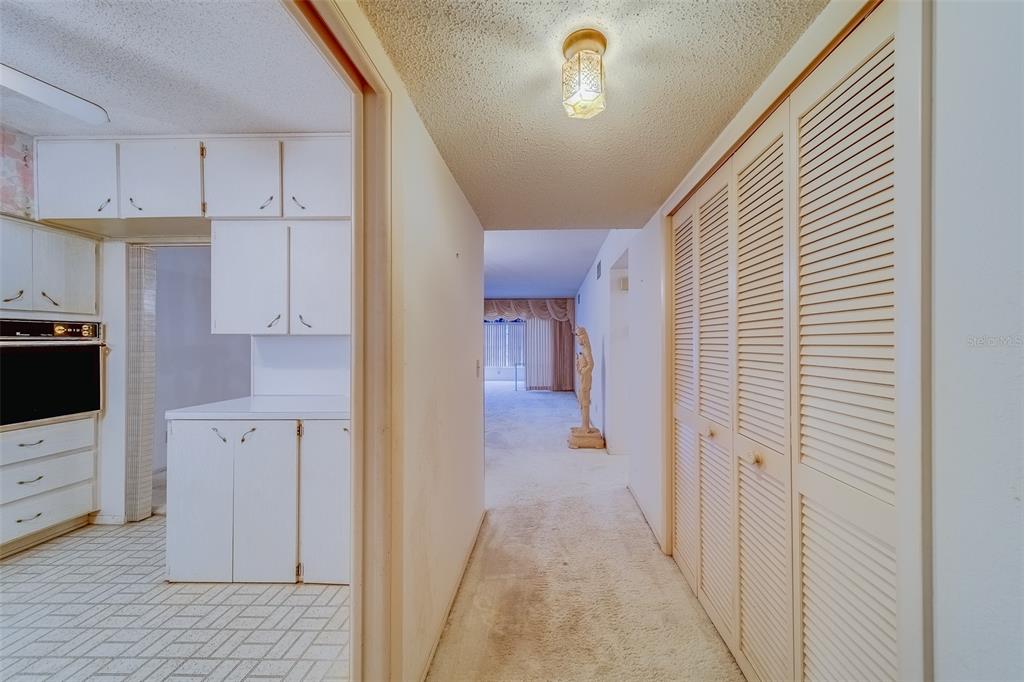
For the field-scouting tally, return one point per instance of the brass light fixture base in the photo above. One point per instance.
(584, 39)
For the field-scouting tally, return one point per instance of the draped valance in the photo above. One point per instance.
(558, 309)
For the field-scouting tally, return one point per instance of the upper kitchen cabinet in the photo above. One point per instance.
(63, 272)
(249, 277)
(321, 277)
(242, 177)
(160, 179)
(318, 177)
(76, 179)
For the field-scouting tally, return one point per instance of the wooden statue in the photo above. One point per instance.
(586, 435)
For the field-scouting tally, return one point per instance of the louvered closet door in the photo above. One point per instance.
(715, 282)
(761, 434)
(686, 475)
(844, 405)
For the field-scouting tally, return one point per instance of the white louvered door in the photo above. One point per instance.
(761, 434)
(715, 297)
(844, 408)
(686, 473)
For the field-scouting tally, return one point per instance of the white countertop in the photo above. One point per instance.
(269, 407)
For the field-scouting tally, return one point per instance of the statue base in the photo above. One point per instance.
(592, 438)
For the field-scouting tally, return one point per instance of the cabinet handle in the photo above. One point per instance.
(21, 292)
(244, 435)
(274, 321)
(214, 429)
(131, 200)
(31, 518)
(30, 445)
(37, 478)
(49, 298)
(755, 458)
(103, 205)
(303, 321)
(267, 202)
(707, 432)
(297, 203)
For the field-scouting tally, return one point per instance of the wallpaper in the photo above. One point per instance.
(17, 190)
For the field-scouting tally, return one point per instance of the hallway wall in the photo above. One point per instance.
(438, 294)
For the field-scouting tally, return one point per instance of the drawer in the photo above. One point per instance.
(36, 476)
(31, 514)
(40, 441)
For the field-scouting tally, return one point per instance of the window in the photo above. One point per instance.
(504, 343)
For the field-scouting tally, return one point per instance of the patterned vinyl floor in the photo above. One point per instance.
(93, 604)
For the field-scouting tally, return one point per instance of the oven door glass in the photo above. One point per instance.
(52, 380)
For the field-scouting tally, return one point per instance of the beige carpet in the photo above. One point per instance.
(567, 581)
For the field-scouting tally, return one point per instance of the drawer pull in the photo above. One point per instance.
(245, 435)
(31, 518)
(21, 292)
(37, 478)
(30, 445)
(214, 429)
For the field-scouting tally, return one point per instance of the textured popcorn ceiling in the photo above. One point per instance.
(485, 77)
(170, 66)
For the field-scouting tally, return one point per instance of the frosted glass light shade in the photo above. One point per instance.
(583, 93)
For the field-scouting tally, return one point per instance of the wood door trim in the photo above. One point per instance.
(849, 28)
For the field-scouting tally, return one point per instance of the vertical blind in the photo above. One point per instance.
(504, 343)
(540, 337)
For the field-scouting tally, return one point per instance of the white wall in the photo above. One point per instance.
(438, 298)
(193, 366)
(301, 365)
(978, 340)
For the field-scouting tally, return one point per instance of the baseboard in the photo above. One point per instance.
(107, 520)
(40, 536)
(451, 599)
(647, 520)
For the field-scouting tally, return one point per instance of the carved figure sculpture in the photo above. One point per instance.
(585, 435)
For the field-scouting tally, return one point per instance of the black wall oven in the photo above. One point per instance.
(50, 369)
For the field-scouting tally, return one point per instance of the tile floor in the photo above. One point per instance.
(93, 604)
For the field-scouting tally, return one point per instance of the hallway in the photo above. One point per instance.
(566, 581)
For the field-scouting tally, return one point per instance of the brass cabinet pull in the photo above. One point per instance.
(131, 200)
(49, 298)
(21, 292)
(267, 202)
(31, 445)
(103, 205)
(246, 434)
(755, 458)
(303, 321)
(31, 518)
(37, 478)
(274, 321)
(214, 429)
(297, 203)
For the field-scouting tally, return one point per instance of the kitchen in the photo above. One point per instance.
(252, 195)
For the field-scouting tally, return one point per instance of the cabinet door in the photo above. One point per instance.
(199, 509)
(249, 266)
(242, 178)
(160, 179)
(266, 501)
(325, 507)
(76, 179)
(318, 177)
(64, 272)
(15, 265)
(321, 277)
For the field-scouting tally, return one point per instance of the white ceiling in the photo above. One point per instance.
(169, 67)
(485, 77)
(538, 263)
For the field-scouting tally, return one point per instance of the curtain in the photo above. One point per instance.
(550, 344)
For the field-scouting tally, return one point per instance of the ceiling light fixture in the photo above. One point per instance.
(583, 73)
(52, 96)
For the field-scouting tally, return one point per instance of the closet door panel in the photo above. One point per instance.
(717, 529)
(715, 334)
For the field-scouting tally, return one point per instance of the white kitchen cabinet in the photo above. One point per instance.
(76, 179)
(200, 471)
(15, 265)
(321, 277)
(242, 177)
(63, 272)
(160, 179)
(318, 177)
(249, 274)
(266, 501)
(325, 513)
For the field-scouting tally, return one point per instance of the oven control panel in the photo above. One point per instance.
(48, 329)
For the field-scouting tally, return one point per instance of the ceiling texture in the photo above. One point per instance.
(485, 78)
(538, 263)
(162, 67)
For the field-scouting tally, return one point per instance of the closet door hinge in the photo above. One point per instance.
(299, 430)
(298, 571)
(202, 150)
(204, 208)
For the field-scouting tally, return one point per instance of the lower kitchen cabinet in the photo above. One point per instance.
(237, 510)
